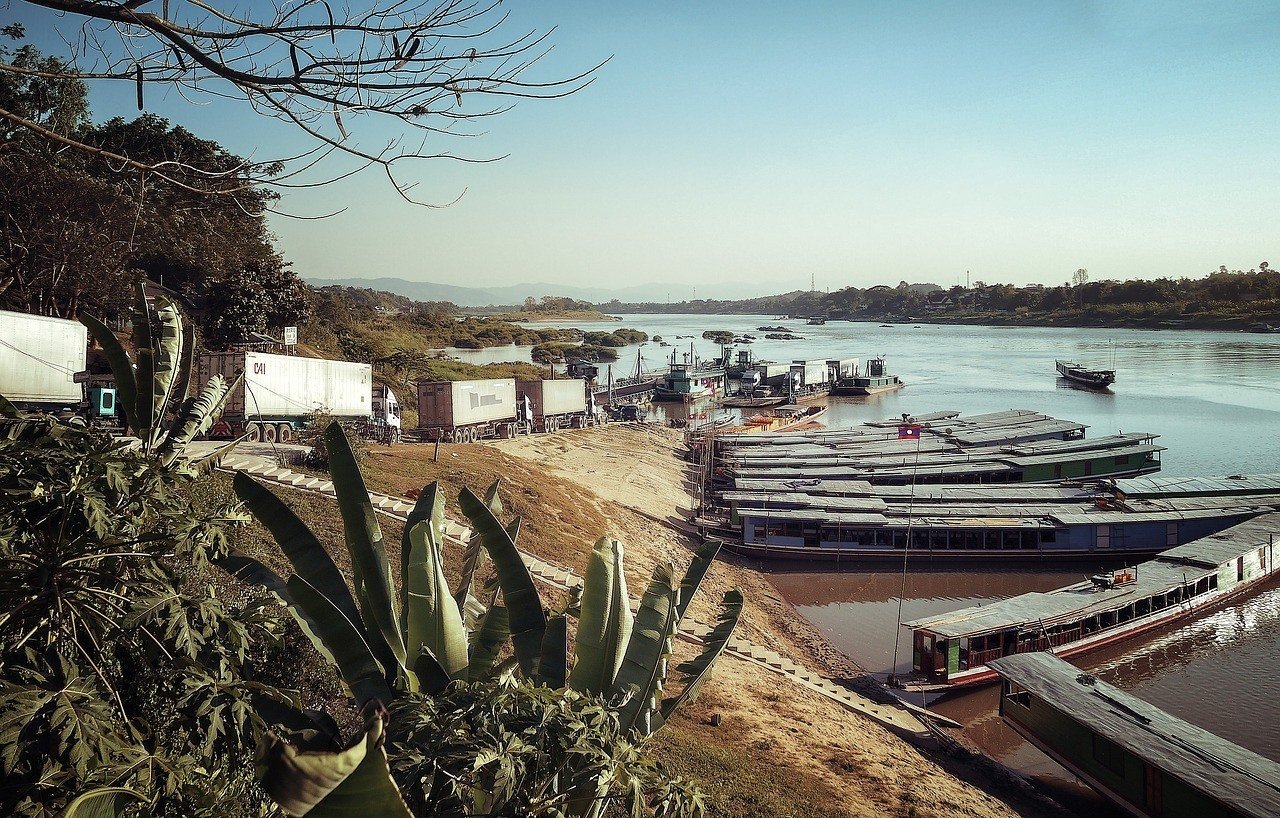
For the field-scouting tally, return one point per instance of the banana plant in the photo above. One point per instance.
(386, 641)
(618, 656)
(157, 382)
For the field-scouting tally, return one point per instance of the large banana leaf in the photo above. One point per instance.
(694, 671)
(298, 542)
(553, 664)
(354, 783)
(604, 627)
(182, 385)
(373, 582)
(345, 641)
(167, 345)
(105, 802)
(144, 349)
(474, 554)
(524, 606)
(644, 666)
(492, 631)
(434, 619)
(197, 414)
(121, 368)
(205, 465)
(702, 559)
(251, 570)
(7, 409)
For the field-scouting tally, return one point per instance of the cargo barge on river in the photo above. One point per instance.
(955, 649)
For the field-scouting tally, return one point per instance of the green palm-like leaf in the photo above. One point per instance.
(205, 465)
(524, 606)
(121, 368)
(144, 349)
(605, 625)
(644, 666)
(553, 663)
(429, 508)
(373, 582)
(105, 802)
(353, 783)
(345, 641)
(434, 619)
(492, 631)
(474, 555)
(249, 569)
(430, 675)
(702, 559)
(298, 542)
(197, 415)
(182, 385)
(167, 344)
(694, 672)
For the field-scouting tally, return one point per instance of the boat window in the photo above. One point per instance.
(1239, 568)
(1057, 469)
(1088, 467)
(1018, 695)
(1262, 558)
(1104, 536)
(1107, 753)
(1171, 534)
(1213, 582)
(1048, 535)
(1122, 459)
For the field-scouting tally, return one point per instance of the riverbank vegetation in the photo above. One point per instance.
(1222, 299)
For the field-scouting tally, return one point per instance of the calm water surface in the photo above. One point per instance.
(1214, 399)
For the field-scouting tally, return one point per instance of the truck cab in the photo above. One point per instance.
(386, 411)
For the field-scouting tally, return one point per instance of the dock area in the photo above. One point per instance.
(1145, 760)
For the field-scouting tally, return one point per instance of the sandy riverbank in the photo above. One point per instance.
(632, 474)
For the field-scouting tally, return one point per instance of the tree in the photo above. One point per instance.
(430, 67)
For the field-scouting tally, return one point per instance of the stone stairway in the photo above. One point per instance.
(903, 720)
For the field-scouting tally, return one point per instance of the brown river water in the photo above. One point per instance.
(1213, 397)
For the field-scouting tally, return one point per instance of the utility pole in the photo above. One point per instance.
(813, 282)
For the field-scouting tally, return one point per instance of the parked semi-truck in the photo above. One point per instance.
(280, 393)
(467, 411)
(42, 366)
(560, 404)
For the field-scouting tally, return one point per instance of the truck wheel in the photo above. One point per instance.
(253, 431)
(268, 433)
(473, 435)
(284, 433)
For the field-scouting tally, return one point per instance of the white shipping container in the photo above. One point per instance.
(558, 397)
(39, 358)
(769, 371)
(462, 403)
(286, 386)
(812, 373)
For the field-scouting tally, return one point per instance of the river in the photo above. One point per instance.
(1214, 399)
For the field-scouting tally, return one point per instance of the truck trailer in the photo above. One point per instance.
(280, 393)
(467, 411)
(42, 367)
(550, 405)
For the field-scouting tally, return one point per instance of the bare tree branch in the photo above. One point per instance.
(329, 70)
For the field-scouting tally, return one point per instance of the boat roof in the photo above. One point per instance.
(1167, 486)
(1170, 569)
(1225, 772)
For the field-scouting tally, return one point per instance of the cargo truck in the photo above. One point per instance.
(42, 367)
(281, 393)
(547, 406)
(810, 378)
(467, 411)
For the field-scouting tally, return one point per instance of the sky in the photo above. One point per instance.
(735, 146)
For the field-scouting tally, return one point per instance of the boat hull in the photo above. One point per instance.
(811, 554)
(863, 391)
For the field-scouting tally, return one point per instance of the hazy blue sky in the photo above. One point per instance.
(863, 143)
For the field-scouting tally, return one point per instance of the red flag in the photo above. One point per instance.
(909, 431)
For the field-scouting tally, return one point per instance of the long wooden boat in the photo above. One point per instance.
(954, 649)
(1092, 378)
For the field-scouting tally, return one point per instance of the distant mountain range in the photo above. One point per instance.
(516, 293)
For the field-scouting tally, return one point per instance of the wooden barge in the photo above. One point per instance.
(1148, 762)
(958, 648)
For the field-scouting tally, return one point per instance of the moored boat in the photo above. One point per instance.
(954, 649)
(1092, 378)
(874, 382)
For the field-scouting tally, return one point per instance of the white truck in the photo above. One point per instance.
(42, 366)
(281, 393)
(550, 405)
(466, 411)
